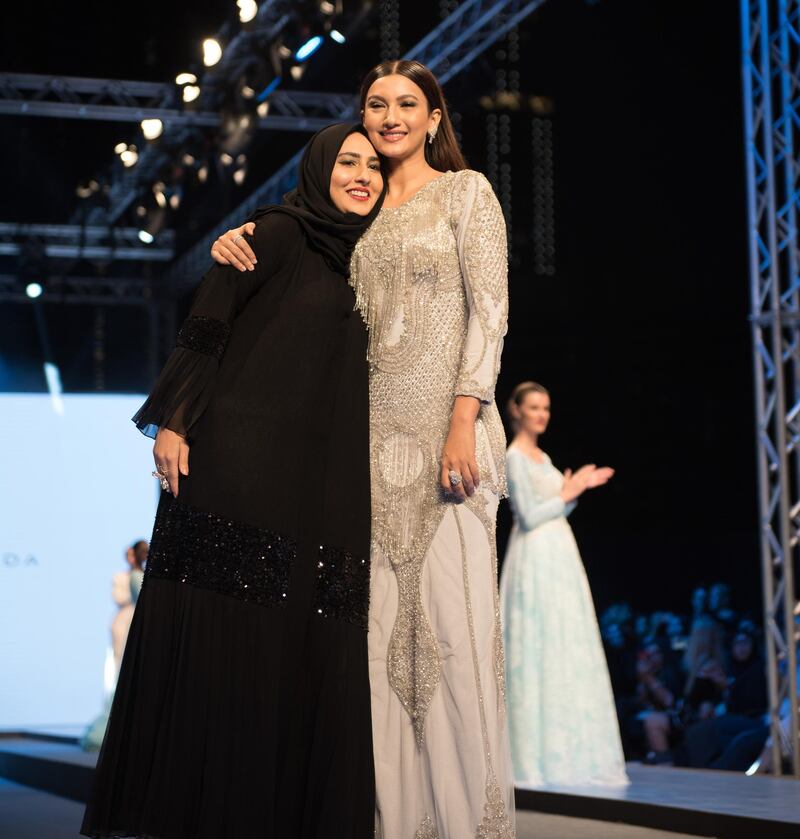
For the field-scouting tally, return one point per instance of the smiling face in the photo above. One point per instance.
(356, 179)
(534, 413)
(397, 117)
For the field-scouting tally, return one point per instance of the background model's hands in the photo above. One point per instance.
(459, 449)
(576, 483)
(238, 253)
(171, 454)
(600, 476)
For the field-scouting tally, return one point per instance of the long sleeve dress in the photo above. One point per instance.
(562, 717)
(243, 705)
(431, 281)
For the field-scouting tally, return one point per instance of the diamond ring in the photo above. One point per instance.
(455, 478)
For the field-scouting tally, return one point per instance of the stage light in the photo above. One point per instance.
(225, 159)
(141, 211)
(34, 290)
(248, 9)
(146, 237)
(247, 92)
(188, 160)
(202, 174)
(83, 191)
(337, 36)
(309, 48)
(190, 93)
(161, 199)
(120, 147)
(326, 7)
(129, 157)
(185, 78)
(263, 109)
(212, 51)
(297, 72)
(269, 89)
(152, 128)
(239, 175)
(175, 200)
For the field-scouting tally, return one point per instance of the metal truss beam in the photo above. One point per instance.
(447, 50)
(74, 241)
(770, 32)
(132, 101)
(86, 291)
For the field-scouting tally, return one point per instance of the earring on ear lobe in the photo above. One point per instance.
(432, 134)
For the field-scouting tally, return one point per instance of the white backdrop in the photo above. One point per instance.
(75, 491)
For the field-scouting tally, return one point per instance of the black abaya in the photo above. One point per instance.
(243, 703)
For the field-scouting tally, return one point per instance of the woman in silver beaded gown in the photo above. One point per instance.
(430, 277)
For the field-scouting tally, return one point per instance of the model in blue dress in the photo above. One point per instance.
(561, 712)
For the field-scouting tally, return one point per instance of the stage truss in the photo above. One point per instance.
(771, 90)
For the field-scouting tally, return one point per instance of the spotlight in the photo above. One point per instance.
(34, 290)
(120, 147)
(129, 157)
(202, 174)
(297, 72)
(146, 237)
(309, 48)
(188, 160)
(152, 128)
(263, 109)
(239, 175)
(337, 36)
(185, 78)
(225, 159)
(248, 9)
(190, 93)
(326, 7)
(212, 51)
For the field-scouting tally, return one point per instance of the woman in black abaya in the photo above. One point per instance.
(243, 703)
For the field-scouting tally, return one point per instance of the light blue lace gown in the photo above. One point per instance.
(561, 712)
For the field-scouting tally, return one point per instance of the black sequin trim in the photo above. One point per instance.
(204, 335)
(342, 590)
(204, 550)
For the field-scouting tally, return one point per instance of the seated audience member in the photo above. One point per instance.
(706, 682)
(743, 709)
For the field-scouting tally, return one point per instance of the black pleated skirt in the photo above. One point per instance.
(240, 711)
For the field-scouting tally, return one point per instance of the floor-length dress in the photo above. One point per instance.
(243, 705)
(562, 718)
(431, 281)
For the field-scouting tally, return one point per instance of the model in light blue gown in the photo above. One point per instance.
(561, 711)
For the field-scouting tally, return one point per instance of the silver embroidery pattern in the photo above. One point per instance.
(496, 823)
(427, 830)
(436, 321)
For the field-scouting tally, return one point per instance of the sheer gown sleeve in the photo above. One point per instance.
(530, 508)
(483, 247)
(182, 391)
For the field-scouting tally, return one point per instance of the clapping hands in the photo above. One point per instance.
(587, 477)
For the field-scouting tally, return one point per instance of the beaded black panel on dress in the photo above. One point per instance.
(342, 589)
(211, 552)
(204, 335)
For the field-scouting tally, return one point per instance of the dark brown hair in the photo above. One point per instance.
(444, 153)
(518, 396)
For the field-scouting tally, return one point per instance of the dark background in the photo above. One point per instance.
(641, 335)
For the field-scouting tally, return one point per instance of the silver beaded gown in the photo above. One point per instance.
(430, 279)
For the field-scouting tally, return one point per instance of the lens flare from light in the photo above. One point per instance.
(248, 9)
(152, 128)
(309, 48)
(212, 51)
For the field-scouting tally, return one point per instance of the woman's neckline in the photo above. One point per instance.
(527, 457)
(418, 192)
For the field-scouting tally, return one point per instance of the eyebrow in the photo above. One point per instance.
(401, 96)
(356, 154)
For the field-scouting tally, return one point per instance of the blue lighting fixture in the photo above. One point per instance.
(337, 36)
(309, 48)
(269, 89)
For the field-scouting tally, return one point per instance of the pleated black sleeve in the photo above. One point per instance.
(182, 391)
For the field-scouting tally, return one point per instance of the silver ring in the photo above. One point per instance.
(236, 238)
(455, 478)
(161, 479)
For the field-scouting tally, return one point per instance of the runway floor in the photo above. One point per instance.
(26, 813)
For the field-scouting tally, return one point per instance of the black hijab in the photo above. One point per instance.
(329, 230)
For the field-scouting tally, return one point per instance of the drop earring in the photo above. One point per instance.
(432, 135)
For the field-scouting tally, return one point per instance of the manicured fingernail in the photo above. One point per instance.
(255, 260)
(243, 268)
